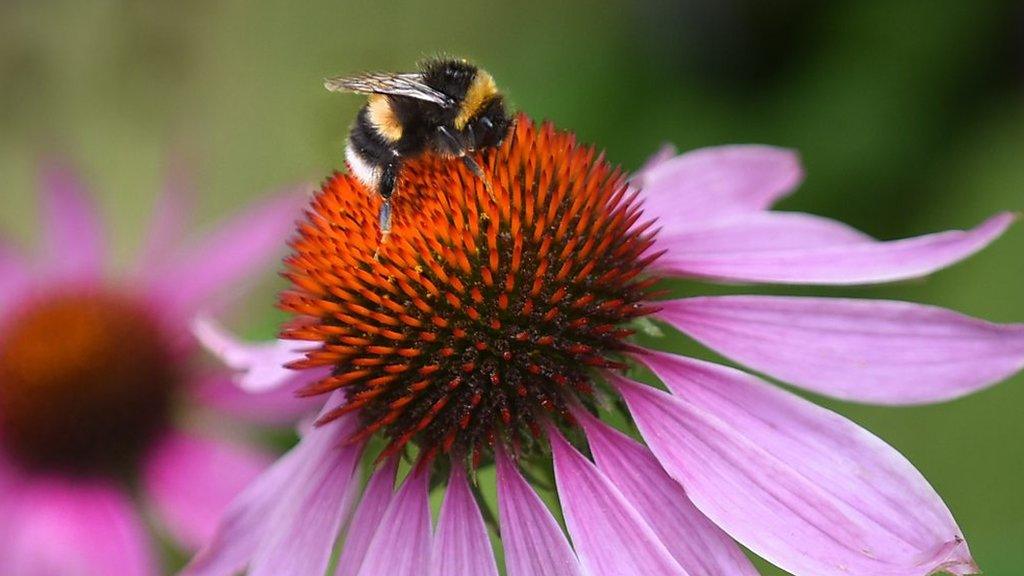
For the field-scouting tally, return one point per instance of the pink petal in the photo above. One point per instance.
(863, 350)
(367, 518)
(286, 522)
(240, 249)
(279, 407)
(534, 543)
(664, 154)
(306, 523)
(461, 544)
(609, 535)
(244, 523)
(828, 263)
(74, 240)
(695, 542)
(760, 231)
(268, 389)
(262, 364)
(73, 527)
(401, 545)
(167, 224)
(191, 480)
(799, 485)
(14, 276)
(714, 183)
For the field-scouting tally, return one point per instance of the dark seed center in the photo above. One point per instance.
(484, 316)
(85, 383)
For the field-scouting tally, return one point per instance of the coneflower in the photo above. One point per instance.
(497, 331)
(96, 375)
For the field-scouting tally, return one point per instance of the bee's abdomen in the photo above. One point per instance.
(367, 151)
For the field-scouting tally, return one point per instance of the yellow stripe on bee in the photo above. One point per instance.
(383, 117)
(480, 92)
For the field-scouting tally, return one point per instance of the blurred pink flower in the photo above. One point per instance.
(485, 329)
(97, 373)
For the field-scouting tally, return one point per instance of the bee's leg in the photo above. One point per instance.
(456, 149)
(475, 169)
(386, 188)
(385, 218)
(450, 141)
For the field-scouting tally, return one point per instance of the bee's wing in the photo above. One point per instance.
(410, 85)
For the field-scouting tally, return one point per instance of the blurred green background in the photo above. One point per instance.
(909, 116)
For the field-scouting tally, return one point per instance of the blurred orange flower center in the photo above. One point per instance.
(85, 382)
(481, 316)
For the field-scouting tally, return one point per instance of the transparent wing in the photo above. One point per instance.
(410, 85)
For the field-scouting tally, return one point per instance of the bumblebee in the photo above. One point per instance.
(449, 107)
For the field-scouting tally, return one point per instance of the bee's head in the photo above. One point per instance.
(490, 125)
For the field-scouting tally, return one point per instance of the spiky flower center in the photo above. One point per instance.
(480, 317)
(85, 383)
